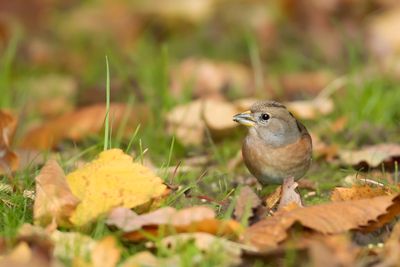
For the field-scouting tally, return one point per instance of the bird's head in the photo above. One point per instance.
(272, 122)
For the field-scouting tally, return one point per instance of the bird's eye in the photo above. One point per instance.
(264, 116)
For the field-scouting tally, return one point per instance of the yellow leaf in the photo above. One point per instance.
(111, 180)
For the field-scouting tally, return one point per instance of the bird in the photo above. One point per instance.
(277, 146)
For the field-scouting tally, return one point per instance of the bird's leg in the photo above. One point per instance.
(290, 198)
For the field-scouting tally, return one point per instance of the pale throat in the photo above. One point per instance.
(278, 137)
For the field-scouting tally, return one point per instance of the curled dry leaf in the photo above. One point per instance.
(372, 156)
(113, 179)
(51, 94)
(81, 123)
(193, 219)
(311, 83)
(106, 253)
(24, 256)
(383, 40)
(273, 199)
(331, 218)
(289, 195)
(246, 203)
(310, 109)
(189, 122)
(54, 201)
(218, 117)
(187, 11)
(390, 254)
(145, 258)
(332, 251)
(358, 192)
(209, 79)
(8, 158)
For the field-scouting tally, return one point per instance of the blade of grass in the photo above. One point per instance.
(107, 119)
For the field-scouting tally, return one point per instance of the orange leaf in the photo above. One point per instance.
(194, 219)
(81, 123)
(331, 218)
(8, 159)
(358, 192)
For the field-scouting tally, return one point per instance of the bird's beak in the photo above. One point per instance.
(245, 118)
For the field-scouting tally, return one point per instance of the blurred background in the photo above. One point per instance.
(166, 53)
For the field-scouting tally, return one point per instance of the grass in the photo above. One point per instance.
(371, 104)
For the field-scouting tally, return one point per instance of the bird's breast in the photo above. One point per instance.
(272, 164)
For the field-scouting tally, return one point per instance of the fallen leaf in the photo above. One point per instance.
(310, 109)
(246, 202)
(23, 256)
(332, 251)
(297, 84)
(106, 253)
(371, 156)
(184, 11)
(207, 242)
(383, 41)
(189, 122)
(186, 123)
(330, 218)
(8, 158)
(51, 94)
(273, 199)
(390, 254)
(289, 195)
(193, 219)
(211, 79)
(358, 192)
(54, 200)
(81, 123)
(145, 258)
(322, 149)
(218, 117)
(113, 179)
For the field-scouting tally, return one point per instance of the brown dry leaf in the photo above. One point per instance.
(23, 256)
(184, 11)
(383, 40)
(311, 109)
(358, 192)
(390, 256)
(218, 117)
(289, 196)
(8, 158)
(246, 203)
(311, 83)
(114, 19)
(330, 218)
(193, 219)
(273, 199)
(113, 180)
(106, 253)
(188, 122)
(50, 95)
(145, 258)
(332, 251)
(54, 201)
(211, 79)
(81, 123)
(322, 149)
(372, 156)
